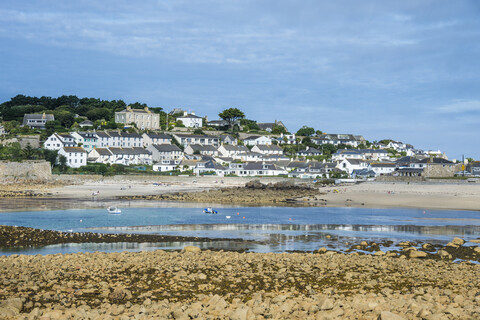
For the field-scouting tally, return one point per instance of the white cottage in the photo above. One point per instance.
(59, 140)
(76, 156)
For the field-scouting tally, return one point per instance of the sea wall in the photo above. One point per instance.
(30, 170)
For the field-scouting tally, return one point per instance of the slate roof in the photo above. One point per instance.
(191, 116)
(383, 164)
(236, 148)
(74, 149)
(158, 136)
(38, 116)
(435, 161)
(200, 147)
(103, 151)
(166, 147)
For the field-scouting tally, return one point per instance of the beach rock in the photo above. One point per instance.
(417, 254)
(325, 303)
(387, 315)
(379, 253)
(191, 249)
(456, 242)
(475, 240)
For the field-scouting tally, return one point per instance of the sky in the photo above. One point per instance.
(403, 70)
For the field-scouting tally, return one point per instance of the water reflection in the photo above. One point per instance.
(234, 230)
(122, 246)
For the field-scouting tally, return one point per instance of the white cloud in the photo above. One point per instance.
(460, 106)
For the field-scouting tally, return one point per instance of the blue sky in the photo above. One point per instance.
(406, 70)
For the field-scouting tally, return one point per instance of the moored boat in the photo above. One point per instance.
(113, 210)
(210, 210)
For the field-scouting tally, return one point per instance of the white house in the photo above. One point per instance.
(155, 138)
(382, 168)
(59, 140)
(167, 165)
(231, 150)
(2, 130)
(100, 155)
(248, 156)
(200, 149)
(162, 152)
(267, 149)
(205, 140)
(88, 140)
(254, 169)
(76, 156)
(37, 120)
(347, 154)
(287, 139)
(191, 120)
(103, 139)
(209, 167)
(349, 165)
(130, 156)
(309, 152)
(375, 154)
(131, 140)
(336, 139)
(228, 139)
(257, 140)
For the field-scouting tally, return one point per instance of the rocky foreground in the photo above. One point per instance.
(11, 236)
(196, 284)
(254, 193)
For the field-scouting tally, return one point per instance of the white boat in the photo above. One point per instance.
(210, 210)
(114, 210)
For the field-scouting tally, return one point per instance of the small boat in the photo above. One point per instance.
(228, 217)
(210, 210)
(113, 210)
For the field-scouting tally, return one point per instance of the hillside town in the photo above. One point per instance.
(191, 144)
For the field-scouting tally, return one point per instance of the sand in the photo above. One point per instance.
(450, 196)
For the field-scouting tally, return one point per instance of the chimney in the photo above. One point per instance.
(192, 113)
(146, 109)
(43, 116)
(185, 113)
(129, 108)
(308, 147)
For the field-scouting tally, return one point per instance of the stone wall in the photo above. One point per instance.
(25, 171)
(33, 141)
(387, 178)
(441, 171)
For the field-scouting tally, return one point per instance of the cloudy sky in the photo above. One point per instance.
(406, 70)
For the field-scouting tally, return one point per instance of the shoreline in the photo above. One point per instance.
(208, 190)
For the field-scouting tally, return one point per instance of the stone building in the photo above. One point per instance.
(143, 118)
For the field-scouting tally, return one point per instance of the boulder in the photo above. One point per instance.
(417, 254)
(387, 315)
(191, 249)
(456, 242)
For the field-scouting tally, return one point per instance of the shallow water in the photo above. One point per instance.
(276, 229)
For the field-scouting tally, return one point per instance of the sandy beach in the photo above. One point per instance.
(426, 195)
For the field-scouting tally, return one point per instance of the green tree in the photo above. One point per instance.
(62, 161)
(51, 156)
(306, 131)
(231, 115)
(279, 129)
(249, 125)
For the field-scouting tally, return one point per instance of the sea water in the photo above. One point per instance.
(273, 229)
